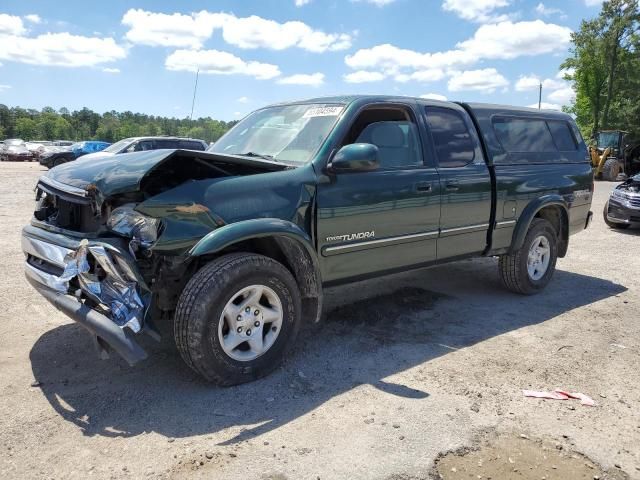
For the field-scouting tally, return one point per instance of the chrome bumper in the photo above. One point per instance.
(49, 257)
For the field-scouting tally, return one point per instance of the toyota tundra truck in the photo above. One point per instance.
(229, 250)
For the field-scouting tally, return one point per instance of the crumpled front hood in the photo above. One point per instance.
(124, 173)
(110, 174)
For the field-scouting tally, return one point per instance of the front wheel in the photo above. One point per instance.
(529, 269)
(237, 317)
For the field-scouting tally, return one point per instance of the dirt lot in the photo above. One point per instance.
(405, 369)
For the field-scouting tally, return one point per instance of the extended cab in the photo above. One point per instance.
(232, 247)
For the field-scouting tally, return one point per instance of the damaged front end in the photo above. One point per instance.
(110, 238)
(86, 265)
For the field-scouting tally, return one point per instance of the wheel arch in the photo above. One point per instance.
(552, 208)
(278, 239)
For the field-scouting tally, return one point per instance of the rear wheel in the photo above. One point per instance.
(619, 226)
(529, 269)
(237, 317)
(611, 170)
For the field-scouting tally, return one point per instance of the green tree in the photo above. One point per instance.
(605, 69)
(26, 128)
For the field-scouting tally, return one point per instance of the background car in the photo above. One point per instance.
(139, 144)
(623, 208)
(15, 150)
(58, 155)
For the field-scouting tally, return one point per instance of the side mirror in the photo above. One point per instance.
(356, 157)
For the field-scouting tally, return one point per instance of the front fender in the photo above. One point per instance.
(236, 232)
(529, 213)
(294, 242)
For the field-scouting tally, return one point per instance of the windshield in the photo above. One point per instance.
(116, 147)
(608, 139)
(286, 133)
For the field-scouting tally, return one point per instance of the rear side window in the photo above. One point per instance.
(562, 136)
(529, 135)
(166, 143)
(454, 144)
(190, 145)
(523, 135)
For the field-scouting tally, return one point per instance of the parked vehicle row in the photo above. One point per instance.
(53, 154)
(233, 246)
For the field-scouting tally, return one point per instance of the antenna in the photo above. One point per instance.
(195, 89)
(539, 97)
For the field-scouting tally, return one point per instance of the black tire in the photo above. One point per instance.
(200, 307)
(513, 267)
(617, 226)
(611, 170)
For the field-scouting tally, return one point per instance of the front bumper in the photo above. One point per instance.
(620, 213)
(48, 257)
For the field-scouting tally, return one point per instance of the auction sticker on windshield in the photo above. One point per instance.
(332, 111)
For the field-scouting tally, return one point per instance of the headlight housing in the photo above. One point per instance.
(126, 221)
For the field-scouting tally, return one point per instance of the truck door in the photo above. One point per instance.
(465, 181)
(384, 219)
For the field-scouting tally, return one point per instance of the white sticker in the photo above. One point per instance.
(323, 112)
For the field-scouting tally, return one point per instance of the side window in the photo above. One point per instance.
(143, 145)
(394, 131)
(562, 136)
(523, 135)
(455, 145)
(190, 145)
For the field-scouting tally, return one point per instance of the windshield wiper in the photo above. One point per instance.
(258, 155)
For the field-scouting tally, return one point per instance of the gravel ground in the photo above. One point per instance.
(404, 369)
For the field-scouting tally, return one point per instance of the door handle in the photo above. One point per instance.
(452, 186)
(423, 187)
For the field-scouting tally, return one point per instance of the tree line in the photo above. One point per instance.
(604, 67)
(85, 124)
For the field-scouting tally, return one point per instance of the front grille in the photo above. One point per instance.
(65, 211)
(634, 201)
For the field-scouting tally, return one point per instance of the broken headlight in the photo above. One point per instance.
(126, 221)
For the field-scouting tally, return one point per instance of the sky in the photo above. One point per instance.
(143, 55)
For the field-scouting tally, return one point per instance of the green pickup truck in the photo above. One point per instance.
(232, 247)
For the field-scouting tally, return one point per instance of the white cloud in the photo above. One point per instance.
(486, 80)
(434, 96)
(476, 10)
(311, 80)
(300, 3)
(505, 40)
(60, 49)
(11, 25)
(257, 32)
(508, 40)
(216, 62)
(546, 106)
(531, 82)
(563, 96)
(168, 30)
(111, 70)
(4, 87)
(363, 76)
(423, 76)
(377, 3)
(243, 100)
(33, 18)
(542, 9)
(182, 30)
